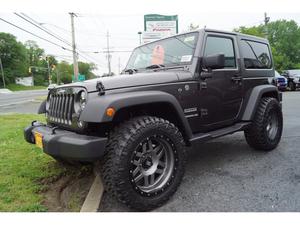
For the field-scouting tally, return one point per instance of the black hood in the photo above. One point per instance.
(123, 81)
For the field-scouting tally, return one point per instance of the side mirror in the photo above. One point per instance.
(216, 61)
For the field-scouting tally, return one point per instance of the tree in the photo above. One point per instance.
(37, 60)
(34, 53)
(64, 71)
(17, 58)
(284, 38)
(86, 69)
(13, 56)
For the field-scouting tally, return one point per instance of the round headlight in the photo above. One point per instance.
(82, 99)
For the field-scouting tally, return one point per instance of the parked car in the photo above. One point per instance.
(280, 82)
(176, 92)
(293, 77)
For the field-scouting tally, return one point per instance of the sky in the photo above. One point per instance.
(124, 19)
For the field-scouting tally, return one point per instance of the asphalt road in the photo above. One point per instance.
(21, 101)
(226, 175)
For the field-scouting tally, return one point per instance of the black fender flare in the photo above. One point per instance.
(42, 108)
(95, 110)
(254, 97)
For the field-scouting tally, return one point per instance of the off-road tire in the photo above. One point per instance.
(120, 149)
(256, 134)
(292, 86)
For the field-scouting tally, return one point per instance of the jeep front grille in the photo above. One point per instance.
(61, 108)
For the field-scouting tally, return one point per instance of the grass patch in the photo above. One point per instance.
(19, 87)
(22, 165)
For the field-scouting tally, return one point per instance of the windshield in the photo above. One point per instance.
(173, 51)
(277, 74)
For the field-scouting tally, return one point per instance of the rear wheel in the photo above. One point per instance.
(145, 162)
(265, 131)
(292, 86)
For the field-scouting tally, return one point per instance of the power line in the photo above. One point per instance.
(57, 27)
(54, 35)
(36, 24)
(44, 39)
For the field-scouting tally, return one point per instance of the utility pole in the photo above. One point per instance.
(57, 76)
(108, 54)
(75, 61)
(119, 65)
(2, 72)
(266, 21)
(48, 68)
(140, 36)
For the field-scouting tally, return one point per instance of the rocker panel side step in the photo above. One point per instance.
(202, 137)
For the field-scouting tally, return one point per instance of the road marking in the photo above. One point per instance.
(93, 199)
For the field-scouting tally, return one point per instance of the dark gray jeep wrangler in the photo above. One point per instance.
(173, 93)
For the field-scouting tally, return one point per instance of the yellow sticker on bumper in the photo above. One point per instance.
(38, 139)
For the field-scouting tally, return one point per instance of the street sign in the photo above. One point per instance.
(159, 26)
(81, 77)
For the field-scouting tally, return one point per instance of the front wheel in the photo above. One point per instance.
(265, 131)
(145, 162)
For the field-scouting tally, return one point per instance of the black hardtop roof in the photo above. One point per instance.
(243, 36)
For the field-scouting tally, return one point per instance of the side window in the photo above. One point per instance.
(217, 45)
(256, 55)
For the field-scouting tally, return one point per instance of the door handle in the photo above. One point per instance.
(236, 78)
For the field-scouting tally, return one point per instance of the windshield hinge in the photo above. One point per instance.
(100, 87)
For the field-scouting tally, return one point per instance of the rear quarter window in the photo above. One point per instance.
(256, 55)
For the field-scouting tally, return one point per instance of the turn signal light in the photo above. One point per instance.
(110, 112)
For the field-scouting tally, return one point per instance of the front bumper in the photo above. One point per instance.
(66, 144)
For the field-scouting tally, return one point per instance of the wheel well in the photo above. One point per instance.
(272, 94)
(163, 110)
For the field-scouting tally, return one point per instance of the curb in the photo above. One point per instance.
(93, 199)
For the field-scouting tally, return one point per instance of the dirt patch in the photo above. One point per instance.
(67, 192)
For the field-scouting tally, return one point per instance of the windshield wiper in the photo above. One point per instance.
(155, 66)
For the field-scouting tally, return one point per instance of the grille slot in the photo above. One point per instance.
(61, 108)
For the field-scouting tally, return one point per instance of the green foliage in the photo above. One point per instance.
(284, 38)
(34, 53)
(13, 56)
(86, 69)
(18, 87)
(17, 58)
(65, 71)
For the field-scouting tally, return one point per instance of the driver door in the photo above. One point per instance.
(220, 96)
